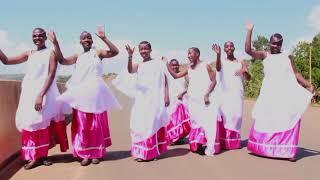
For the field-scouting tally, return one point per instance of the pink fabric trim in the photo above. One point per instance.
(180, 125)
(228, 139)
(151, 147)
(197, 138)
(90, 134)
(36, 144)
(276, 145)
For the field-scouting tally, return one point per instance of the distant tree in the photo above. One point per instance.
(252, 87)
(261, 43)
(301, 57)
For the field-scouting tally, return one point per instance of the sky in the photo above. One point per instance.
(170, 26)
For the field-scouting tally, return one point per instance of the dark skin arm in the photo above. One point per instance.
(253, 53)
(166, 93)
(132, 67)
(216, 48)
(173, 73)
(58, 53)
(15, 59)
(104, 53)
(306, 84)
(180, 96)
(212, 76)
(47, 83)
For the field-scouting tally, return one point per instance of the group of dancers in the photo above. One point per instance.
(169, 103)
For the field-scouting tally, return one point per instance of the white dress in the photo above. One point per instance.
(27, 117)
(231, 94)
(176, 87)
(148, 112)
(282, 101)
(86, 89)
(200, 114)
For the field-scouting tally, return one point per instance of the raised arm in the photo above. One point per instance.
(104, 53)
(212, 76)
(58, 53)
(216, 48)
(132, 67)
(174, 74)
(300, 78)
(51, 75)
(166, 92)
(15, 59)
(253, 53)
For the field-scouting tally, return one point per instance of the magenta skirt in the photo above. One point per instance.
(197, 138)
(36, 144)
(228, 139)
(276, 145)
(151, 147)
(179, 125)
(90, 134)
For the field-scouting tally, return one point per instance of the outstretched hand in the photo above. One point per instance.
(38, 103)
(101, 32)
(129, 50)
(52, 36)
(216, 48)
(249, 26)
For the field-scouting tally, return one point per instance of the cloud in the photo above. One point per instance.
(314, 18)
(313, 22)
(11, 48)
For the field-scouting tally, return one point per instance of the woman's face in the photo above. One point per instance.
(275, 45)
(86, 40)
(145, 51)
(39, 37)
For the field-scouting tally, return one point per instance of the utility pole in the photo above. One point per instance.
(310, 67)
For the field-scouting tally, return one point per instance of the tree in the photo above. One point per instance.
(261, 43)
(252, 87)
(301, 58)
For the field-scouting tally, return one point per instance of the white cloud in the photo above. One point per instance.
(314, 18)
(313, 22)
(11, 48)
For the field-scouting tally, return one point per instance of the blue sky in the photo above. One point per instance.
(171, 26)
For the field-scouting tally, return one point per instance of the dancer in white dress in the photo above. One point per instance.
(232, 73)
(201, 103)
(179, 125)
(39, 116)
(281, 103)
(150, 94)
(90, 98)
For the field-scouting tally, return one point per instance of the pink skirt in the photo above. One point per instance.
(36, 144)
(90, 134)
(275, 145)
(180, 125)
(197, 138)
(151, 147)
(228, 139)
